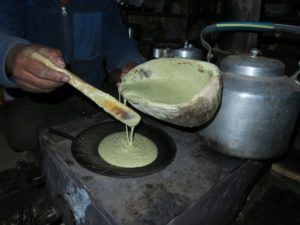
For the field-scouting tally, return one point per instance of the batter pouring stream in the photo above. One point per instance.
(127, 149)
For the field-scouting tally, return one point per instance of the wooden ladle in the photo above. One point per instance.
(110, 104)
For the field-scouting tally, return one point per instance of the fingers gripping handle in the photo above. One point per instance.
(102, 99)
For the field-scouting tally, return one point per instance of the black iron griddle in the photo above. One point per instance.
(85, 150)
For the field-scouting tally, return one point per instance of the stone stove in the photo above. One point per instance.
(199, 186)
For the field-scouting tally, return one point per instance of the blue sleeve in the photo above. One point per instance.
(10, 34)
(118, 48)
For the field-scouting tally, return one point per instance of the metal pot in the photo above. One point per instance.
(259, 109)
(187, 52)
(162, 53)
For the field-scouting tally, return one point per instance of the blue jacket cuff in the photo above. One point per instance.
(6, 43)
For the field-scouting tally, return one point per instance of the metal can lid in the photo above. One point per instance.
(252, 65)
(188, 52)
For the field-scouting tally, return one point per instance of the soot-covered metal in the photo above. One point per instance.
(198, 186)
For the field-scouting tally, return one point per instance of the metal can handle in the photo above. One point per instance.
(243, 26)
(296, 76)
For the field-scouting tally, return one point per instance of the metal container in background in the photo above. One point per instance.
(259, 109)
(164, 49)
(187, 52)
(162, 53)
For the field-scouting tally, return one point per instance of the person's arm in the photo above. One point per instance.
(6, 44)
(10, 35)
(17, 68)
(119, 49)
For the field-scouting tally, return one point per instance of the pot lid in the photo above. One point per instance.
(187, 52)
(252, 65)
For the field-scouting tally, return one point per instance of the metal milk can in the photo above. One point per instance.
(259, 108)
(187, 52)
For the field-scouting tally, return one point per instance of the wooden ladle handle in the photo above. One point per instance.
(110, 104)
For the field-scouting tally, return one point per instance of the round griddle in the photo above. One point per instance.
(85, 150)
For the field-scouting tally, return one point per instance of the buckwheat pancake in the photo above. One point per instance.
(116, 149)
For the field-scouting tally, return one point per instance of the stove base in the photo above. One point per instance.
(200, 186)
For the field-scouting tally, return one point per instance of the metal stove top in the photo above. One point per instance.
(197, 184)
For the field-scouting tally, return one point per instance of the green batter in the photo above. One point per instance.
(170, 83)
(120, 150)
(158, 92)
(166, 81)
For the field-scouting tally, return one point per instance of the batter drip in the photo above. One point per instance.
(127, 149)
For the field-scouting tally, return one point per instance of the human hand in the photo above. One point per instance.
(129, 66)
(31, 75)
(117, 75)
